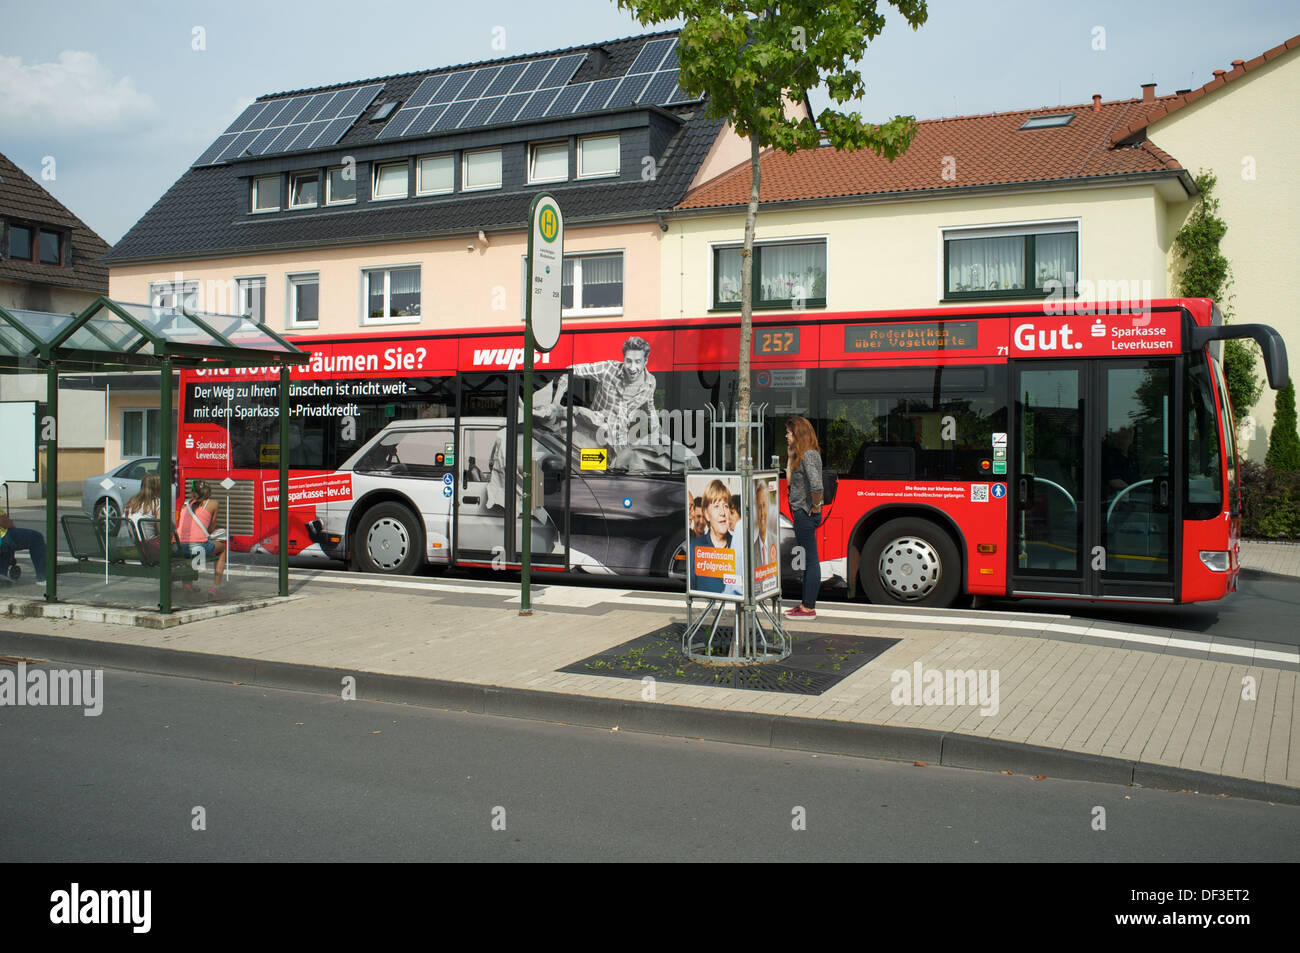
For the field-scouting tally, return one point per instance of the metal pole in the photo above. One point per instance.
(526, 563)
(165, 467)
(284, 483)
(51, 426)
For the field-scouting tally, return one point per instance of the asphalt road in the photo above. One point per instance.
(293, 776)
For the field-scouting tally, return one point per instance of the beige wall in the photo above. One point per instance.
(39, 297)
(1247, 135)
(890, 254)
(117, 402)
(458, 287)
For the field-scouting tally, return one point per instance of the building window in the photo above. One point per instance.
(140, 434)
(175, 294)
(51, 244)
(786, 275)
(1015, 262)
(341, 186)
(482, 170)
(548, 162)
(592, 284)
(597, 156)
(304, 301)
(252, 298)
(392, 295)
(266, 193)
(20, 242)
(391, 181)
(303, 189)
(435, 175)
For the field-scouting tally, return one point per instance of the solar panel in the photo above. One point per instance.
(479, 82)
(454, 114)
(509, 108)
(647, 61)
(240, 124)
(569, 97)
(533, 76)
(670, 61)
(291, 123)
(659, 88)
(597, 95)
(480, 112)
(425, 120)
(536, 107)
(628, 91)
(455, 83)
(678, 96)
(505, 79)
(562, 71)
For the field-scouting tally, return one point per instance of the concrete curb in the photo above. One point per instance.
(892, 743)
(141, 618)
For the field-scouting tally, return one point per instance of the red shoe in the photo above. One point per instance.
(799, 612)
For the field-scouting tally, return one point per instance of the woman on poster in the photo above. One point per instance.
(716, 536)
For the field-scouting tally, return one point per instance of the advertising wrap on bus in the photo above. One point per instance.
(998, 451)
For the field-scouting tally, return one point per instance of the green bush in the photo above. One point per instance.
(1270, 506)
(1283, 441)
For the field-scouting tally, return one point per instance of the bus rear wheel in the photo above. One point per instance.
(389, 540)
(910, 562)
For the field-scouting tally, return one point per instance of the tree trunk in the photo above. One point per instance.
(747, 314)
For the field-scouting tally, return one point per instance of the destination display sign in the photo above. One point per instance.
(914, 336)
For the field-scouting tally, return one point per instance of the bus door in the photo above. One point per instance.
(489, 485)
(1094, 512)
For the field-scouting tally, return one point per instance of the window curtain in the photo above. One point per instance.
(1056, 257)
(728, 275)
(986, 264)
(792, 271)
(601, 271)
(405, 282)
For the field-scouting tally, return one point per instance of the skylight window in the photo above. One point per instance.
(1047, 122)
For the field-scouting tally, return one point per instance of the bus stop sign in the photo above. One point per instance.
(545, 268)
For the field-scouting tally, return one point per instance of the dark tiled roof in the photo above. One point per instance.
(954, 153)
(23, 199)
(205, 213)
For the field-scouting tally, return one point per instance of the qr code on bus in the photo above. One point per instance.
(979, 493)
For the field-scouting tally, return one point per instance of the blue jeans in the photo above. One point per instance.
(28, 539)
(805, 535)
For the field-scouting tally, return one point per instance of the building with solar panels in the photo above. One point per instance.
(400, 204)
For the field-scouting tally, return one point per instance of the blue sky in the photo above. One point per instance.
(122, 101)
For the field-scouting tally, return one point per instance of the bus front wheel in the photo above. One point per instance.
(910, 562)
(388, 540)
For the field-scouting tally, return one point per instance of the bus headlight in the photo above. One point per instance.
(1215, 559)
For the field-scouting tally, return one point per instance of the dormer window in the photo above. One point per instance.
(20, 242)
(390, 180)
(303, 189)
(598, 156)
(266, 193)
(548, 162)
(341, 186)
(51, 246)
(481, 170)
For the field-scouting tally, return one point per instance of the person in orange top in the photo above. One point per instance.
(194, 527)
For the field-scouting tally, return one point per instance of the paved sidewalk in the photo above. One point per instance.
(1076, 699)
(1278, 559)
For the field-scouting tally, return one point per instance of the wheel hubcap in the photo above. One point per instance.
(388, 543)
(909, 568)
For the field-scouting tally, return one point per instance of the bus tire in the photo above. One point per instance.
(389, 540)
(671, 557)
(910, 562)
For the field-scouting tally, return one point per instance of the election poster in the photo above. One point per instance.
(717, 535)
(764, 539)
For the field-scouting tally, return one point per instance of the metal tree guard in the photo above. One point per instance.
(758, 634)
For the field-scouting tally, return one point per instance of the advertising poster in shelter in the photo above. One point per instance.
(717, 536)
(765, 544)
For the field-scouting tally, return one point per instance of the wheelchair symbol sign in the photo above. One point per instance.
(999, 490)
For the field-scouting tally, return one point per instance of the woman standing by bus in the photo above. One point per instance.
(803, 474)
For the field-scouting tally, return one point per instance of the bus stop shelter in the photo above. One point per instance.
(118, 336)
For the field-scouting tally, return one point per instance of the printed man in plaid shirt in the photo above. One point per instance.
(626, 389)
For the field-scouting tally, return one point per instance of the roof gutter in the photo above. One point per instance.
(1183, 177)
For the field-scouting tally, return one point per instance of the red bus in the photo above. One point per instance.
(991, 451)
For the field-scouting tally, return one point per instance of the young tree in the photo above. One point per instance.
(1284, 442)
(1207, 273)
(749, 58)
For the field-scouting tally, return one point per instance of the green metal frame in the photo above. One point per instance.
(55, 356)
